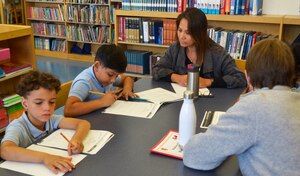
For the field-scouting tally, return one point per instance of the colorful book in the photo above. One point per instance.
(10, 67)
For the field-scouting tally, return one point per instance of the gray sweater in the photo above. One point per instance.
(262, 129)
(217, 64)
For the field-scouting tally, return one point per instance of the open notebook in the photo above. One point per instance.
(93, 142)
(146, 109)
(203, 92)
(39, 169)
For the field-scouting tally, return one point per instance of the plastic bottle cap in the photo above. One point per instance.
(188, 94)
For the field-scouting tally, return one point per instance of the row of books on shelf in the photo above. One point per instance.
(140, 62)
(88, 14)
(8, 67)
(47, 13)
(10, 109)
(232, 7)
(95, 34)
(236, 43)
(51, 44)
(52, 29)
(89, 1)
(145, 30)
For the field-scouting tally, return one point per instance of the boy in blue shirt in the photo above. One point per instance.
(39, 95)
(102, 76)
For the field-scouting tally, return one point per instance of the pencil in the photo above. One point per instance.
(66, 138)
(97, 93)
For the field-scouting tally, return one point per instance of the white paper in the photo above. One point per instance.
(131, 108)
(93, 142)
(40, 169)
(160, 95)
(180, 90)
(143, 109)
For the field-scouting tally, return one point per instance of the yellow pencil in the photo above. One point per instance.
(97, 93)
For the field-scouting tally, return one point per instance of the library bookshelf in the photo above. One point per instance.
(20, 41)
(286, 28)
(68, 24)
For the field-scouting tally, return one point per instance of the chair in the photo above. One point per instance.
(62, 95)
(241, 64)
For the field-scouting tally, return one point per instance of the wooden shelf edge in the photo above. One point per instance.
(16, 74)
(14, 31)
(80, 57)
(47, 53)
(290, 19)
(269, 19)
(144, 44)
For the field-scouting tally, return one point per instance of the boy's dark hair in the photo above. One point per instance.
(270, 62)
(35, 80)
(113, 57)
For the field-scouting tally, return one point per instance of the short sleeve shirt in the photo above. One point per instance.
(86, 81)
(23, 133)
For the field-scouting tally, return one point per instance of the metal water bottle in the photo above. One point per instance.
(187, 119)
(193, 79)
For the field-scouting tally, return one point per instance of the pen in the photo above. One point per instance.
(66, 139)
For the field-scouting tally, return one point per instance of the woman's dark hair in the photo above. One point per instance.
(197, 27)
(270, 62)
(113, 57)
(35, 80)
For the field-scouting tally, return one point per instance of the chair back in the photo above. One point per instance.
(241, 64)
(62, 95)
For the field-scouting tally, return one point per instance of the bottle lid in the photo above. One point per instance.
(188, 94)
(193, 68)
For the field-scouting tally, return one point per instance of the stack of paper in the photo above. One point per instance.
(180, 90)
(52, 144)
(93, 142)
(39, 169)
(155, 98)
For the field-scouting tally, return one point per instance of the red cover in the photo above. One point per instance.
(169, 146)
(10, 67)
(3, 118)
(4, 54)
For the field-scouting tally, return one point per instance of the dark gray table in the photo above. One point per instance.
(127, 153)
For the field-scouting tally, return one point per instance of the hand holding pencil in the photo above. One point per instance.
(74, 146)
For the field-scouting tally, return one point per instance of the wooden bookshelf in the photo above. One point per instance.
(20, 41)
(284, 27)
(69, 41)
(12, 13)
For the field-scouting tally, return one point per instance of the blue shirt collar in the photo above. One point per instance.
(36, 133)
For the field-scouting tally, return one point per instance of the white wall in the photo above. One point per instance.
(281, 7)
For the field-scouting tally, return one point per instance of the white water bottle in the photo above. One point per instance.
(187, 119)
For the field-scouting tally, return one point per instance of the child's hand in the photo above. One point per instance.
(126, 93)
(76, 147)
(58, 163)
(109, 98)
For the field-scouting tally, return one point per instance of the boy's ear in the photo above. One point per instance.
(24, 103)
(250, 87)
(97, 64)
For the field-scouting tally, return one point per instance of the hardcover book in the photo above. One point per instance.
(10, 67)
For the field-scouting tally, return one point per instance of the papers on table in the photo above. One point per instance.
(39, 169)
(156, 97)
(169, 146)
(93, 142)
(180, 90)
(211, 117)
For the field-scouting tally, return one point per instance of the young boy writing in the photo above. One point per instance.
(39, 95)
(102, 76)
(262, 127)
